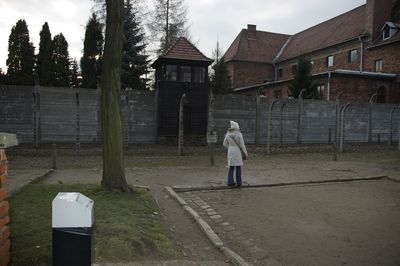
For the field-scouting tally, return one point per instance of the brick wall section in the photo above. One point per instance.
(357, 89)
(389, 54)
(4, 218)
(340, 60)
(249, 73)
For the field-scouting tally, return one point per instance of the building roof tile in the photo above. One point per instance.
(184, 50)
(337, 30)
(257, 46)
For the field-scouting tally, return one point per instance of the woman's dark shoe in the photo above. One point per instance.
(231, 185)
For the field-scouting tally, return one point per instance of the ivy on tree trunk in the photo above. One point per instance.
(113, 159)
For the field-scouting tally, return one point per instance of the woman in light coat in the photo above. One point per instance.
(234, 143)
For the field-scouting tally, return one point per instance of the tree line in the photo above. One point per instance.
(53, 66)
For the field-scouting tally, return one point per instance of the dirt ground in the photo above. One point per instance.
(159, 166)
(349, 223)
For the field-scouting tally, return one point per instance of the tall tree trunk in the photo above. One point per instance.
(167, 28)
(113, 159)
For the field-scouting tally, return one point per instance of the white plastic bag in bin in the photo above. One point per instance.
(72, 209)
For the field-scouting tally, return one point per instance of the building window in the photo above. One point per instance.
(186, 74)
(378, 65)
(280, 72)
(199, 74)
(386, 32)
(172, 73)
(294, 69)
(329, 61)
(352, 56)
(321, 90)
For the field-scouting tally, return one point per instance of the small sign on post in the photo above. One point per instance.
(211, 140)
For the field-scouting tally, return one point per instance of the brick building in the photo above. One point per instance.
(357, 52)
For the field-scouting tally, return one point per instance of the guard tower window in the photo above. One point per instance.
(172, 72)
(199, 74)
(186, 74)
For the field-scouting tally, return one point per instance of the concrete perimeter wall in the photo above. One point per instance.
(312, 121)
(50, 114)
(71, 114)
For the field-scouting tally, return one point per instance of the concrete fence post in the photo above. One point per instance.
(211, 127)
(391, 125)
(269, 137)
(181, 126)
(257, 135)
(126, 119)
(342, 121)
(371, 102)
(99, 118)
(281, 125)
(36, 111)
(78, 124)
(300, 115)
(337, 122)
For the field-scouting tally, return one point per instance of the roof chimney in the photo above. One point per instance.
(377, 13)
(251, 32)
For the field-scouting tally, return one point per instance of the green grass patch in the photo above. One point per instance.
(128, 226)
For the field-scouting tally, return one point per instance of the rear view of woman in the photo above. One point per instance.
(234, 143)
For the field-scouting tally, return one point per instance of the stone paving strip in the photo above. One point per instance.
(214, 238)
(186, 188)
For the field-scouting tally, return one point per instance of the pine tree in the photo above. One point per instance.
(220, 81)
(302, 80)
(60, 62)
(20, 61)
(44, 61)
(168, 22)
(74, 75)
(92, 53)
(135, 62)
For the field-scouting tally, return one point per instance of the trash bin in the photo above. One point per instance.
(72, 223)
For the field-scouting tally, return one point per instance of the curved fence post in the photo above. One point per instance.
(180, 138)
(371, 101)
(300, 115)
(281, 125)
(342, 125)
(337, 122)
(270, 125)
(391, 125)
(36, 111)
(77, 124)
(257, 135)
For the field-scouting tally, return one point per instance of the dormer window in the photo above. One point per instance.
(386, 32)
(389, 30)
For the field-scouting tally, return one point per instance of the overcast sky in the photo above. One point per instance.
(210, 20)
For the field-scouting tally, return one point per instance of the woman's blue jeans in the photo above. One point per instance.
(231, 182)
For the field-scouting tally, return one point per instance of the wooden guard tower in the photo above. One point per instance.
(183, 69)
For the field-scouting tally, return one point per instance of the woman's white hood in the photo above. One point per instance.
(234, 125)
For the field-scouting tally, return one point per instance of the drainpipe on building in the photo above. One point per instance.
(275, 72)
(329, 86)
